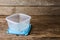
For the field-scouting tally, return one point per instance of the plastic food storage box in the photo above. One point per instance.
(19, 24)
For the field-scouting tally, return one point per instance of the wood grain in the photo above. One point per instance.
(29, 2)
(42, 26)
(6, 10)
(39, 10)
(30, 10)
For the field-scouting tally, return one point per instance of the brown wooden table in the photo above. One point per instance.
(44, 27)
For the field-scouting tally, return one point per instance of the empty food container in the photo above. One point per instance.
(19, 24)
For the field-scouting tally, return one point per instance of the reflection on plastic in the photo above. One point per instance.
(19, 24)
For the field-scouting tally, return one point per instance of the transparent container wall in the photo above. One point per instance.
(18, 23)
(18, 18)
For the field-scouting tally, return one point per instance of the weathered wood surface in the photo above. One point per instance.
(39, 10)
(42, 26)
(7, 10)
(29, 2)
(30, 10)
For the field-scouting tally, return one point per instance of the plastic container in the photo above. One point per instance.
(19, 24)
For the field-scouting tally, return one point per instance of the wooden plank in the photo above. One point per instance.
(42, 26)
(30, 10)
(39, 10)
(6, 10)
(34, 38)
(29, 2)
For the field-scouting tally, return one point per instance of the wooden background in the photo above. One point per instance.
(45, 18)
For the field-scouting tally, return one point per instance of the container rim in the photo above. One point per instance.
(17, 14)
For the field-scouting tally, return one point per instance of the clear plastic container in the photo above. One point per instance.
(19, 24)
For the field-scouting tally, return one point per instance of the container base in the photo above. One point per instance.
(23, 33)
